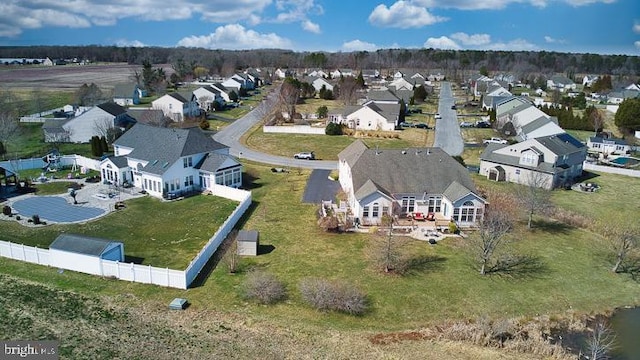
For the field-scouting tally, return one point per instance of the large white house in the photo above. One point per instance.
(166, 162)
(96, 121)
(398, 182)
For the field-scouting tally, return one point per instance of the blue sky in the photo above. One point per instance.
(595, 26)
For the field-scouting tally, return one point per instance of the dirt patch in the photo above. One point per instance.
(69, 77)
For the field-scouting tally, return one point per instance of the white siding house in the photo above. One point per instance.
(176, 106)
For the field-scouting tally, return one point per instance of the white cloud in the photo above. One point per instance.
(473, 40)
(498, 4)
(636, 28)
(551, 40)
(442, 42)
(513, 45)
(637, 44)
(311, 27)
(235, 37)
(17, 15)
(358, 45)
(404, 15)
(129, 43)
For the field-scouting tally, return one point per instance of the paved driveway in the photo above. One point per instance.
(319, 187)
(448, 136)
(231, 134)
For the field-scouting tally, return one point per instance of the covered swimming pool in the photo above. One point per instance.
(55, 209)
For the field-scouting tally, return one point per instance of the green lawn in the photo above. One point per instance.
(572, 274)
(30, 143)
(147, 227)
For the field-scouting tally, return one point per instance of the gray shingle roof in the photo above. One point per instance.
(81, 244)
(382, 95)
(112, 108)
(125, 90)
(119, 161)
(409, 171)
(164, 146)
(561, 144)
(601, 140)
(211, 162)
(489, 154)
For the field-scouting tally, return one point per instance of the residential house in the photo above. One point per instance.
(281, 73)
(398, 75)
(401, 84)
(96, 121)
(167, 162)
(318, 83)
(233, 84)
(561, 83)
(617, 97)
(633, 86)
(149, 116)
(177, 106)
(548, 161)
(588, 80)
(382, 97)
(127, 94)
(318, 73)
(208, 98)
(518, 117)
(224, 92)
(608, 145)
(370, 116)
(400, 182)
(370, 74)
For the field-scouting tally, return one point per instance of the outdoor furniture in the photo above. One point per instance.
(418, 216)
(431, 216)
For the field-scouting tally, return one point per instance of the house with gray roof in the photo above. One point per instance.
(401, 182)
(608, 145)
(561, 83)
(177, 106)
(166, 162)
(97, 121)
(126, 94)
(548, 161)
(209, 98)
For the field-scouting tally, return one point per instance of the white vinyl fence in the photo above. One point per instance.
(294, 129)
(37, 163)
(611, 169)
(212, 245)
(147, 274)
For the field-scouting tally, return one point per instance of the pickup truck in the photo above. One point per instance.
(494, 140)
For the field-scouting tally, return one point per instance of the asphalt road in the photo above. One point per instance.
(230, 136)
(448, 136)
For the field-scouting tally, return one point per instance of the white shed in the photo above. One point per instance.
(248, 242)
(83, 253)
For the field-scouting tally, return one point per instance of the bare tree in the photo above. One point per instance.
(534, 194)
(490, 237)
(9, 126)
(624, 243)
(387, 252)
(289, 96)
(600, 342)
(231, 258)
(596, 117)
(348, 90)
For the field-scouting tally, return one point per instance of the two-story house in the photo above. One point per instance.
(177, 106)
(556, 158)
(166, 162)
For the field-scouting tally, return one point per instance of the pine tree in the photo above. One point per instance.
(103, 145)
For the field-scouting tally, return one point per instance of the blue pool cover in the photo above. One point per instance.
(55, 209)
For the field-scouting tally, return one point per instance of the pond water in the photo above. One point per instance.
(626, 324)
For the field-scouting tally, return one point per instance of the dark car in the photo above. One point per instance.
(453, 107)
(483, 125)
(422, 126)
(406, 124)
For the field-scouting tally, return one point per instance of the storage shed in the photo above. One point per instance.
(248, 242)
(83, 253)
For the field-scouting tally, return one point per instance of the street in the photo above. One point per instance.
(448, 136)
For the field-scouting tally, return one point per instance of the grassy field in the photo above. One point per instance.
(30, 143)
(444, 286)
(146, 227)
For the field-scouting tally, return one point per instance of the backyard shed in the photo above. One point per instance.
(248, 242)
(83, 253)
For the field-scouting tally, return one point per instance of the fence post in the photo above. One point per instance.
(150, 276)
(133, 272)
(168, 281)
(118, 269)
(24, 254)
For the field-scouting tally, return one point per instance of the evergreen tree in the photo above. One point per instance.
(103, 144)
(628, 114)
(3, 149)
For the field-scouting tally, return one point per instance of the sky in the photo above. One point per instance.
(578, 26)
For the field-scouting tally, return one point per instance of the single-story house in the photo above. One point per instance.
(370, 116)
(83, 253)
(557, 159)
(400, 182)
(607, 146)
(167, 162)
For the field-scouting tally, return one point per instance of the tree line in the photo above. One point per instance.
(453, 63)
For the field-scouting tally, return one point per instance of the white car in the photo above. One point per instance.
(494, 140)
(438, 116)
(305, 155)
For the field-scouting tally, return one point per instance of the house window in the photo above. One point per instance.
(385, 210)
(145, 184)
(435, 203)
(467, 213)
(365, 211)
(237, 176)
(375, 210)
(408, 204)
(219, 179)
(187, 162)
(517, 171)
(188, 181)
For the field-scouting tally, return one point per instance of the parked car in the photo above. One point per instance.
(422, 126)
(438, 116)
(453, 107)
(466, 124)
(407, 124)
(309, 155)
(494, 140)
(483, 124)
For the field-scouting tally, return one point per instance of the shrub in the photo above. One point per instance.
(264, 288)
(325, 295)
(35, 219)
(453, 228)
(6, 210)
(204, 124)
(333, 129)
(18, 217)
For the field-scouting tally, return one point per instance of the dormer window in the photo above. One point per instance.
(187, 162)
